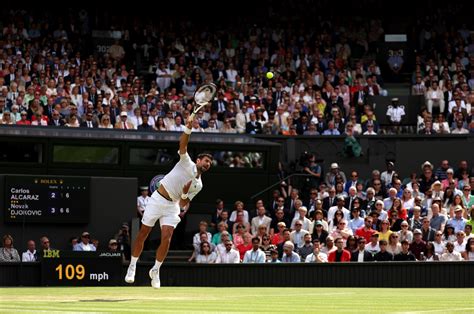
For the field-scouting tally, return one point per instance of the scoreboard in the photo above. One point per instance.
(47, 199)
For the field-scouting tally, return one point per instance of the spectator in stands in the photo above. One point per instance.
(202, 229)
(356, 221)
(289, 256)
(366, 231)
(450, 255)
(469, 251)
(239, 208)
(113, 246)
(254, 255)
(340, 254)
(316, 256)
(245, 245)
(229, 255)
(124, 124)
(306, 248)
(300, 215)
(404, 233)
(441, 126)
(393, 246)
(404, 254)
(85, 244)
(419, 88)
(428, 233)
(341, 231)
(467, 197)
(449, 234)
(383, 255)
(220, 247)
(45, 245)
(266, 246)
(205, 255)
(260, 220)
(8, 253)
(221, 227)
(458, 221)
(434, 97)
(384, 231)
(427, 178)
(373, 246)
(418, 246)
(460, 243)
(30, 255)
(361, 254)
(379, 210)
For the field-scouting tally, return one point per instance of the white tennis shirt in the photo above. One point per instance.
(184, 171)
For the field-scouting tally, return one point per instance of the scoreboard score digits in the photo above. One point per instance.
(47, 199)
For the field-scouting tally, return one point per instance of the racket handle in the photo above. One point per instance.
(192, 116)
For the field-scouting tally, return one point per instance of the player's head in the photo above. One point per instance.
(204, 162)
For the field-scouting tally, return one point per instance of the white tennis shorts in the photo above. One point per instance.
(160, 208)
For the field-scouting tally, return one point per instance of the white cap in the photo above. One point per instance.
(334, 165)
(123, 113)
(427, 163)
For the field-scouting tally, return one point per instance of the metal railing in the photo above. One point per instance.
(278, 183)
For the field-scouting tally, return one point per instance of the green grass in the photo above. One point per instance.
(235, 300)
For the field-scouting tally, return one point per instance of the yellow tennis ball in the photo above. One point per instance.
(269, 75)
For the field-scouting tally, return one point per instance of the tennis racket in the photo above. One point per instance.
(202, 97)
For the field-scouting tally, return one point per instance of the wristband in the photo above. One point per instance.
(187, 130)
(184, 196)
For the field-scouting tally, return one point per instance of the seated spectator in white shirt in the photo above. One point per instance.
(459, 129)
(301, 216)
(205, 254)
(85, 244)
(317, 256)
(229, 256)
(451, 255)
(30, 255)
(460, 243)
(297, 235)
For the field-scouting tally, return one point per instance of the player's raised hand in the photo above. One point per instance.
(186, 187)
(189, 122)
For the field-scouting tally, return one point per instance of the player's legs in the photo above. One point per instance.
(140, 240)
(150, 216)
(136, 251)
(166, 234)
(168, 224)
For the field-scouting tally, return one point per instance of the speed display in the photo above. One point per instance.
(47, 199)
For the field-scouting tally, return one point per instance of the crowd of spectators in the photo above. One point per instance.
(145, 79)
(323, 75)
(426, 217)
(444, 75)
(120, 243)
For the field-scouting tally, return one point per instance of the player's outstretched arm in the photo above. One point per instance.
(184, 139)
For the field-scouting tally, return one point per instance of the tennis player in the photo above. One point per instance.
(176, 190)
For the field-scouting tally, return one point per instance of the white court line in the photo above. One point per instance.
(436, 311)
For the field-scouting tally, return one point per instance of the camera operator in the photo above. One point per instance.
(123, 240)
